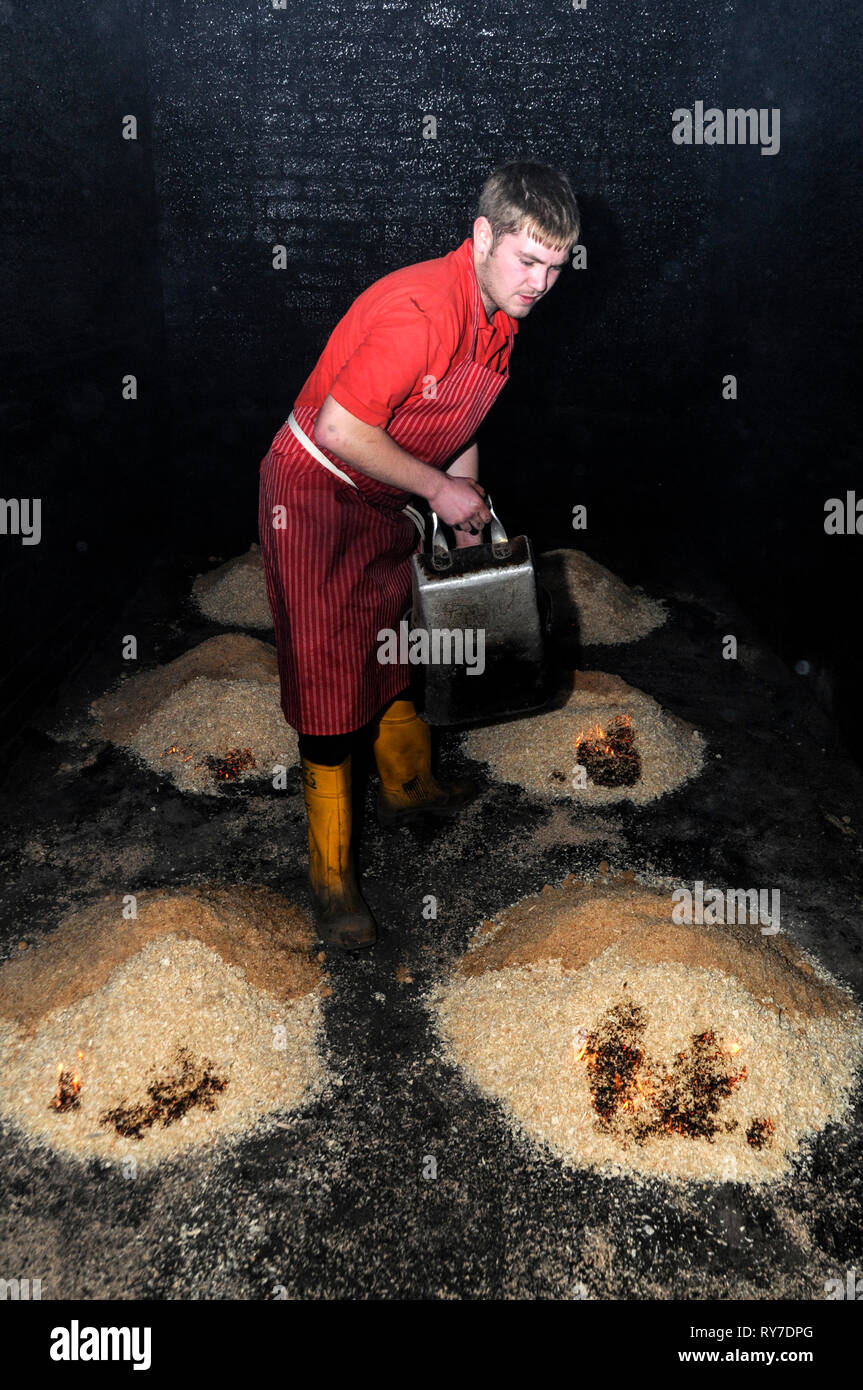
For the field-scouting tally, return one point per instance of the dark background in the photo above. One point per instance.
(304, 127)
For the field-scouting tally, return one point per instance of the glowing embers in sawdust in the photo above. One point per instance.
(66, 1096)
(170, 1096)
(227, 769)
(195, 1020)
(626, 1042)
(610, 756)
(602, 742)
(640, 1096)
(208, 718)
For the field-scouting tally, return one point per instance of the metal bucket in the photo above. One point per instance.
(483, 654)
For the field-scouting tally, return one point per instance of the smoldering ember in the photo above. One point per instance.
(328, 974)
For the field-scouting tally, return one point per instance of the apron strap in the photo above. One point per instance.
(418, 520)
(312, 448)
(315, 452)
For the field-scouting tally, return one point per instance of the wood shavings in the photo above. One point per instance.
(740, 1051)
(162, 1044)
(590, 604)
(235, 594)
(212, 715)
(539, 752)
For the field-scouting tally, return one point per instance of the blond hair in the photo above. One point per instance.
(523, 195)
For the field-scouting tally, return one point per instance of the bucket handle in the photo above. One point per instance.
(441, 553)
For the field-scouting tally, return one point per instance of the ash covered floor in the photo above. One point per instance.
(334, 1202)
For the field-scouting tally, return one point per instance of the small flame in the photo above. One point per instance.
(610, 755)
(68, 1086)
(598, 738)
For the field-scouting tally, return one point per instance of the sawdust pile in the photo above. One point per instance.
(211, 716)
(591, 605)
(235, 594)
(627, 1043)
(142, 1038)
(540, 753)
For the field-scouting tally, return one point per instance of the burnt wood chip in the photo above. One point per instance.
(760, 1132)
(612, 760)
(235, 762)
(67, 1097)
(170, 1098)
(685, 1100)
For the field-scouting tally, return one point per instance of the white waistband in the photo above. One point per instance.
(315, 451)
(309, 444)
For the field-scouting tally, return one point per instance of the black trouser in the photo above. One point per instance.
(330, 750)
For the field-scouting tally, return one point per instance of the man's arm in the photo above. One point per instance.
(467, 464)
(457, 498)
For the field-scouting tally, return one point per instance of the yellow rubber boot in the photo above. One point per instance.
(342, 917)
(409, 791)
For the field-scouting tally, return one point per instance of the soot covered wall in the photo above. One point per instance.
(307, 126)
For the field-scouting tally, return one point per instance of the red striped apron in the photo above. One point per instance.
(338, 567)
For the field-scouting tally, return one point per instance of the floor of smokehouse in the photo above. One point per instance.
(338, 1199)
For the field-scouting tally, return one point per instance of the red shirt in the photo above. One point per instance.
(415, 323)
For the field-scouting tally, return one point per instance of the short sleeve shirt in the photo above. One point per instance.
(413, 324)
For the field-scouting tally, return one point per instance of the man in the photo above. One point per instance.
(391, 410)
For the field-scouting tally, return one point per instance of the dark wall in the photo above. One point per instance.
(304, 127)
(80, 307)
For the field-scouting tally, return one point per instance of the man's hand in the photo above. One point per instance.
(458, 501)
(467, 466)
